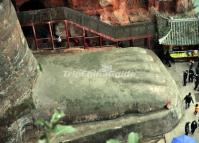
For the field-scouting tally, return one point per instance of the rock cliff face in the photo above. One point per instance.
(123, 12)
(114, 11)
(18, 67)
(182, 5)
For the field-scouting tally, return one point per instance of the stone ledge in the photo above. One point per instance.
(161, 122)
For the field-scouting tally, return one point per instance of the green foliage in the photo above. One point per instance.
(53, 127)
(40, 67)
(57, 116)
(62, 129)
(195, 2)
(196, 5)
(42, 141)
(43, 123)
(132, 138)
(113, 141)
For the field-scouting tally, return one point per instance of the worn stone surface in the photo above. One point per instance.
(149, 127)
(114, 12)
(139, 15)
(140, 99)
(95, 86)
(23, 130)
(183, 5)
(18, 67)
(108, 11)
(104, 3)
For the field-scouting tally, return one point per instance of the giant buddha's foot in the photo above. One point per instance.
(130, 87)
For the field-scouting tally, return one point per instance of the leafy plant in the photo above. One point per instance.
(40, 67)
(132, 138)
(52, 128)
(113, 141)
(196, 5)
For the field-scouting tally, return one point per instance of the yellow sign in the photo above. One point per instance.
(184, 54)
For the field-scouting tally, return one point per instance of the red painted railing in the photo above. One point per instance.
(69, 41)
(41, 42)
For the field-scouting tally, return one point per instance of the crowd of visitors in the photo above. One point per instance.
(191, 76)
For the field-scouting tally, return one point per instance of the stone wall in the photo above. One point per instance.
(18, 67)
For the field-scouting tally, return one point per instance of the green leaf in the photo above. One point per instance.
(40, 122)
(63, 129)
(42, 141)
(57, 116)
(195, 3)
(196, 9)
(133, 138)
(40, 67)
(112, 141)
(43, 123)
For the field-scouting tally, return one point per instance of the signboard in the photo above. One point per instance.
(184, 54)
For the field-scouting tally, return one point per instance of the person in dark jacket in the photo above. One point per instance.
(188, 99)
(191, 63)
(187, 128)
(197, 69)
(196, 81)
(194, 126)
(191, 75)
(185, 74)
(168, 59)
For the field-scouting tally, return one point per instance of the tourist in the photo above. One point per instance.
(193, 126)
(191, 75)
(196, 109)
(167, 58)
(197, 69)
(191, 62)
(58, 41)
(185, 74)
(196, 76)
(187, 128)
(58, 34)
(188, 99)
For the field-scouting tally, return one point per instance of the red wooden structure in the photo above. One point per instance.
(49, 41)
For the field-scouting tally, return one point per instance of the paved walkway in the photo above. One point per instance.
(177, 72)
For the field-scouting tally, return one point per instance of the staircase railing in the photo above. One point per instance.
(61, 13)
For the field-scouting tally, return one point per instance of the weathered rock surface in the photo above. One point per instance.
(105, 85)
(118, 11)
(18, 67)
(139, 15)
(183, 5)
(104, 3)
(129, 86)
